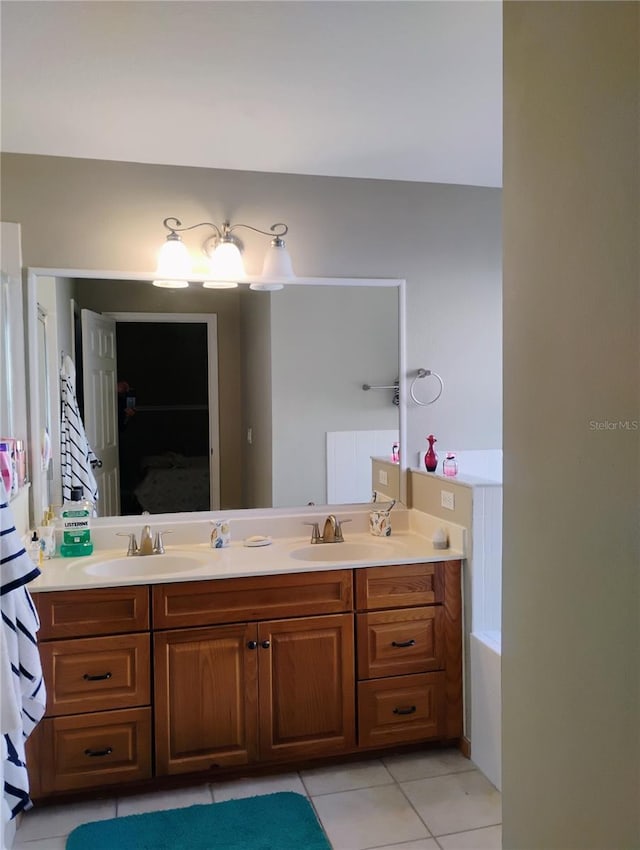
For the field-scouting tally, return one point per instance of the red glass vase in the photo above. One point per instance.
(431, 458)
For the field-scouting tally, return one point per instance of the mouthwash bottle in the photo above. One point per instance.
(76, 534)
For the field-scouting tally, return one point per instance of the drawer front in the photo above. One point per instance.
(395, 643)
(401, 709)
(96, 749)
(399, 587)
(93, 674)
(203, 603)
(104, 611)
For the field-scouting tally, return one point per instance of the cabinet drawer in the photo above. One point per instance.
(393, 643)
(400, 586)
(104, 611)
(405, 708)
(203, 603)
(96, 749)
(92, 674)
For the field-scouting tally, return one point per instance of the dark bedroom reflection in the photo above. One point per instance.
(163, 417)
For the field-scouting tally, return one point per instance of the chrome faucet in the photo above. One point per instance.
(146, 541)
(331, 532)
(148, 544)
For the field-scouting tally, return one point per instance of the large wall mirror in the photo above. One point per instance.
(227, 399)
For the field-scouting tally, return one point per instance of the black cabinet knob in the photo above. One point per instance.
(252, 644)
(265, 644)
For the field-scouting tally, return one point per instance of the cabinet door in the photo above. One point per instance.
(307, 686)
(205, 698)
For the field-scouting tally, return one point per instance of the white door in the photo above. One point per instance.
(100, 405)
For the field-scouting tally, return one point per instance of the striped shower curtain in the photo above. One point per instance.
(22, 695)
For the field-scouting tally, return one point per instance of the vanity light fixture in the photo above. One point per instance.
(226, 266)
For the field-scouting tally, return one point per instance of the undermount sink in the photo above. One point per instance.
(343, 552)
(135, 566)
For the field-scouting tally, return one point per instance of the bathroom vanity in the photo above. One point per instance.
(250, 660)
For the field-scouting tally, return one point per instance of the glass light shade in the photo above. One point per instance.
(266, 287)
(277, 262)
(226, 263)
(220, 284)
(171, 283)
(174, 260)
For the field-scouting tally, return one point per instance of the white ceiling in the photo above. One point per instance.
(390, 89)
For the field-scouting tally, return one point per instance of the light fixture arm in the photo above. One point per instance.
(178, 228)
(277, 230)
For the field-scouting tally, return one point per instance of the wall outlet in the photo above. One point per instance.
(383, 478)
(447, 499)
(250, 435)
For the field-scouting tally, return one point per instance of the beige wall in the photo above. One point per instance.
(390, 490)
(423, 493)
(571, 613)
(445, 240)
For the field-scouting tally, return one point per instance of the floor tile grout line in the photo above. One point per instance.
(438, 775)
(357, 788)
(431, 835)
(315, 811)
(470, 829)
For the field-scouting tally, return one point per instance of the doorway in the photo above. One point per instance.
(167, 412)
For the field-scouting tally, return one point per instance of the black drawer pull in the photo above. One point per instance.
(92, 753)
(252, 644)
(99, 678)
(404, 643)
(404, 710)
(265, 644)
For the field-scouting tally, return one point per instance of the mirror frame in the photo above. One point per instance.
(35, 416)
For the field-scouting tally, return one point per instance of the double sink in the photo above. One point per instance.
(188, 560)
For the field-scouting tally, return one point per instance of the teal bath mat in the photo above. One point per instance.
(282, 821)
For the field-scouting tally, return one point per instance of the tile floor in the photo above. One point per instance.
(421, 801)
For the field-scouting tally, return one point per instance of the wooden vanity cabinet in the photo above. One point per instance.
(409, 638)
(267, 690)
(256, 670)
(95, 651)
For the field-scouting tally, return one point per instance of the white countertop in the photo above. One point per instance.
(197, 562)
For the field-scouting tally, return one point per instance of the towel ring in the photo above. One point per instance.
(424, 373)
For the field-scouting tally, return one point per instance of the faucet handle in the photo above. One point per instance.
(339, 524)
(315, 533)
(132, 548)
(158, 543)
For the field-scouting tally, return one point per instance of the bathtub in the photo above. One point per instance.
(486, 709)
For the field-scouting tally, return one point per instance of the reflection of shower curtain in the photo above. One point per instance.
(76, 455)
(23, 696)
